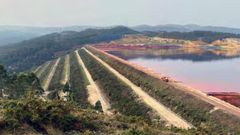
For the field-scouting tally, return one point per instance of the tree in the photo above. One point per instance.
(98, 106)
(3, 76)
(66, 87)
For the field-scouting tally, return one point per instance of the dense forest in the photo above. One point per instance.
(205, 36)
(31, 53)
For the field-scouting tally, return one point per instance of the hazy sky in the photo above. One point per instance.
(119, 12)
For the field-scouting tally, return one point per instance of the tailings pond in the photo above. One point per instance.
(207, 71)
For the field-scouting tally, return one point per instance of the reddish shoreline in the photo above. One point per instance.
(230, 97)
(117, 47)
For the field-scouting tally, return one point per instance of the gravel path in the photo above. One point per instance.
(66, 70)
(95, 94)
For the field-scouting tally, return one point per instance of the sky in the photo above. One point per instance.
(119, 12)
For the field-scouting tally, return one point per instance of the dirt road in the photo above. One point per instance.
(164, 112)
(66, 70)
(94, 91)
(50, 75)
(220, 104)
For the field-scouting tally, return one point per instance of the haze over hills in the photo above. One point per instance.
(30, 53)
(185, 28)
(14, 34)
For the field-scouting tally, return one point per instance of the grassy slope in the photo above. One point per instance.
(78, 83)
(55, 82)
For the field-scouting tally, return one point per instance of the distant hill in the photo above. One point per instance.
(206, 36)
(185, 28)
(14, 34)
(27, 54)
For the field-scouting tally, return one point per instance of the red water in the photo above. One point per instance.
(208, 76)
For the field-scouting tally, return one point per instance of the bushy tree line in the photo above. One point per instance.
(14, 86)
(33, 111)
(206, 36)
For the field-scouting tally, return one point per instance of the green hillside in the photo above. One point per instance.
(31, 53)
(206, 36)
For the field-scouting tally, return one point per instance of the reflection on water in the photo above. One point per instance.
(206, 71)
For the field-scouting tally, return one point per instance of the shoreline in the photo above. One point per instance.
(218, 103)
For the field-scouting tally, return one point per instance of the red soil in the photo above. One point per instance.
(112, 47)
(230, 97)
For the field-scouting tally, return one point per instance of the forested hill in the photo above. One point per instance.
(31, 53)
(27, 54)
(206, 36)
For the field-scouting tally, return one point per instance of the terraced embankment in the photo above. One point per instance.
(94, 92)
(120, 95)
(42, 68)
(45, 71)
(55, 84)
(189, 106)
(220, 104)
(37, 69)
(164, 112)
(50, 76)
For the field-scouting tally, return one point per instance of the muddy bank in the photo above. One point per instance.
(230, 97)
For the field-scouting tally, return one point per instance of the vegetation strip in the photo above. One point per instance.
(55, 84)
(50, 75)
(45, 72)
(42, 69)
(164, 112)
(193, 109)
(37, 69)
(104, 102)
(77, 83)
(66, 70)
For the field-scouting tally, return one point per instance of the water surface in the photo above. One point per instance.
(205, 71)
